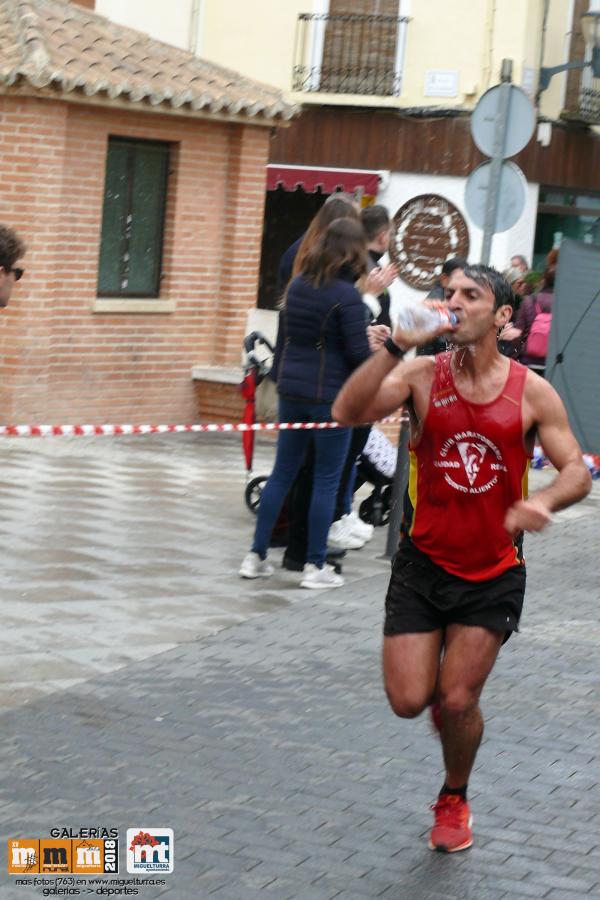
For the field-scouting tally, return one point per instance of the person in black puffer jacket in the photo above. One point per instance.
(324, 340)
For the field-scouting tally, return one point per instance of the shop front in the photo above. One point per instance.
(564, 213)
(294, 195)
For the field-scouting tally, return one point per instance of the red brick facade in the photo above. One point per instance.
(60, 360)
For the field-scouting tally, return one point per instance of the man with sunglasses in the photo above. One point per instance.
(12, 249)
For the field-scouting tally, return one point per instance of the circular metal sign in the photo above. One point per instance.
(428, 230)
(511, 195)
(520, 120)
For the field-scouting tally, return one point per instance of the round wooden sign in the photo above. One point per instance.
(428, 230)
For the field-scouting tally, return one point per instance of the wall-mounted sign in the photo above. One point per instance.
(428, 230)
(528, 80)
(441, 83)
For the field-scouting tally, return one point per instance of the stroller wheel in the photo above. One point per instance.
(253, 491)
(365, 511)
(386, 502)
(375, 510)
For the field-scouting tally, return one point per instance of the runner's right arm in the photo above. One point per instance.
(383, 383)
(377, 388)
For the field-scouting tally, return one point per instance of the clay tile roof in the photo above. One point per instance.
(53, 44)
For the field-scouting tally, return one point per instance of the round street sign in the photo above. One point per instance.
(511, 195)
(520, 120)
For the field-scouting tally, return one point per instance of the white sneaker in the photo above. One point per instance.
(255, 567)
(313, 577)
(342, 537)
(358, 527)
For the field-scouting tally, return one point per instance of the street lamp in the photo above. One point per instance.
(590, 27)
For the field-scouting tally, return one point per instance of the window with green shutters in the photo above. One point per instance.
(133, 218)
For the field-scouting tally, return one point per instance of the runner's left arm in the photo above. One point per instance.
(573, 481)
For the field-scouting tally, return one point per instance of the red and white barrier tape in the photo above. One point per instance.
(113, 430)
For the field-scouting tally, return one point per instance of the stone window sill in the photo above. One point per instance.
(218, 374)
(124, 305)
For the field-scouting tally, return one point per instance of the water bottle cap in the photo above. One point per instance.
(453, 319)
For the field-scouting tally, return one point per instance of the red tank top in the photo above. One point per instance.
(468, 468)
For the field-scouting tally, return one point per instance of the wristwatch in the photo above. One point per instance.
(393, 348)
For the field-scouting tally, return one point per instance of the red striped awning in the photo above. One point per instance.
(310, 178)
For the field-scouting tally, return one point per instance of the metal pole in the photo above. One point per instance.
(194, 25)
(398, 487)
(493, 188)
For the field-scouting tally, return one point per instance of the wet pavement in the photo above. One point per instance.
(115, 549)
(141, 683)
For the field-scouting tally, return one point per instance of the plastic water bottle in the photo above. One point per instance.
(424, 318)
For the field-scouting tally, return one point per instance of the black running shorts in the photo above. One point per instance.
(424, 597)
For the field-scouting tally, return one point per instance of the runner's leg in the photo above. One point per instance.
(470, 654)
(410, 670)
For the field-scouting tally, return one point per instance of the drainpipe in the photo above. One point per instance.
(194, 25)
(488, 48)
(543, 42)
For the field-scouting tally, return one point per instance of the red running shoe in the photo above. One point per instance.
(452, 828)
(436, 716)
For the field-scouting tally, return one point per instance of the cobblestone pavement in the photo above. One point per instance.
(140, 687)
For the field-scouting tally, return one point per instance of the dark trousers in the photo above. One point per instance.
(330, 450)
(301, 492)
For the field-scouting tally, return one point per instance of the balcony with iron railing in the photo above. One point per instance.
(582, 98)
(582, 102)
(349, 54)
(589, 97)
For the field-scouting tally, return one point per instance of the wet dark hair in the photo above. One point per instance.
(337, 206)
(343, 246)
(549, 276)
(550, 270)
(485, 276)
(451, 265)
(12, 247)
(374, 219)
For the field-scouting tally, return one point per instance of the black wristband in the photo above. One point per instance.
(393, 348)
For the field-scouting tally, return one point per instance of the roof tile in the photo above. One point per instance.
(53, 43)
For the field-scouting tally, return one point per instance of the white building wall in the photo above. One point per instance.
(168, 22)
(403, 187)
(463, 38)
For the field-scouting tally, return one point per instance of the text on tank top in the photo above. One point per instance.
(468, 468)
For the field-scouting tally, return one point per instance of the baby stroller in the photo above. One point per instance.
(377, 462)
(258, 360)
(376, 466)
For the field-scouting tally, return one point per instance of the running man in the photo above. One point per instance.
(458, 578)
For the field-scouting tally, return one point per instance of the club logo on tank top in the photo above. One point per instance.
(471, 462)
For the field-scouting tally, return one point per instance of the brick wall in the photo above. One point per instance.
(247, 156)
(218, 402)
(31, 173)
(60, 360)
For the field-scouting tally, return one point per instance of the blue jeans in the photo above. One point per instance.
(331, 448)
(349, 492)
